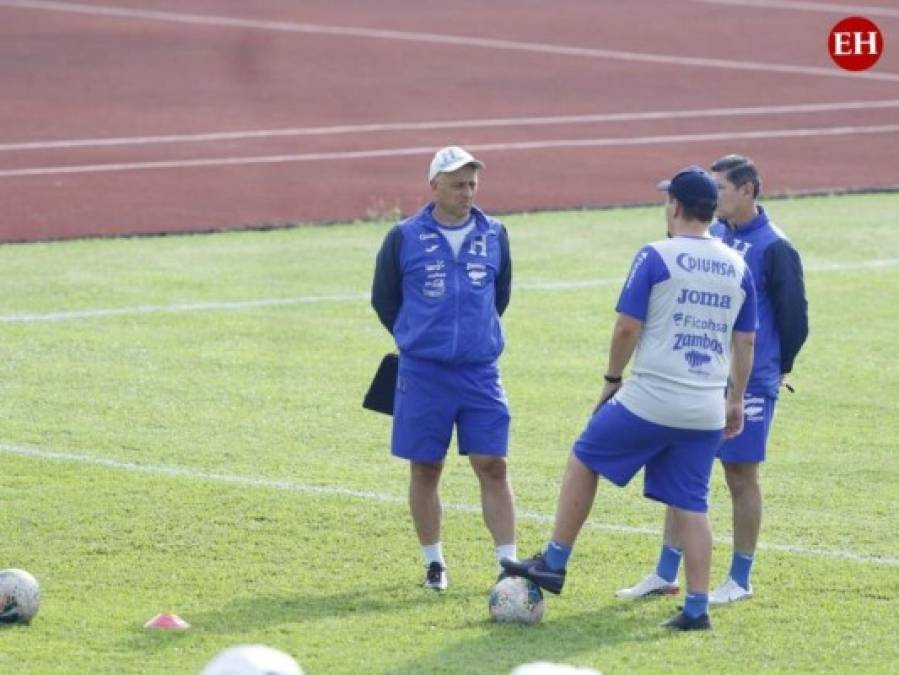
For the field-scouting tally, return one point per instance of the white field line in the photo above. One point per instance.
(843, 10)
(841, 267)
(444, 39)
(333, 491)
(486, 123)
(548, 285)
(66, 315)
(730, 136)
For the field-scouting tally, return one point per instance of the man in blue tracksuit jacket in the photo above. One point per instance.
(783, 327)
(442, 279)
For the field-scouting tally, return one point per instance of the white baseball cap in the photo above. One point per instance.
(252, 660)
(451, 158)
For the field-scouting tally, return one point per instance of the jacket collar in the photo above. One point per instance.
(426, 217)
(760, 220)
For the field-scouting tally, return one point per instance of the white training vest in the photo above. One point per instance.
(682, 360)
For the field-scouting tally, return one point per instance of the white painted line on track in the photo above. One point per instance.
(547, 285)
(843, 10)
(487, 123)
(761, 134)
(437, 38)
(334, 491)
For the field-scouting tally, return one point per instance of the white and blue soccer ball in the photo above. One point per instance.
(20, 596)
(516, 600)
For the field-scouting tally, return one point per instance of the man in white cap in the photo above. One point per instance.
(252, 660)
(442, 279)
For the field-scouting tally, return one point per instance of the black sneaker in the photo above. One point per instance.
(435, 577)
(683, 622)
(536, 570)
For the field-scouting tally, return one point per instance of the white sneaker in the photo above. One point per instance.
(435, 577)
(729, 591)
(651, 585)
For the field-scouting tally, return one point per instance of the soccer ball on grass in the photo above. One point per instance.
(516, 600)
(20, 596)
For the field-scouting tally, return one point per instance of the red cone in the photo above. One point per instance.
(167, 622)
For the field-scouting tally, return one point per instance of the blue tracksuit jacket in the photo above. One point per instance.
(780, 291)
(435, 305)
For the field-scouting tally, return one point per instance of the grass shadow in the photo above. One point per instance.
(566, 639)
(246, 614)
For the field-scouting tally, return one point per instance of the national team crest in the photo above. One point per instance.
(478, 246)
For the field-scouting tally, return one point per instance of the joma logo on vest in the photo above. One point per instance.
(690, 297)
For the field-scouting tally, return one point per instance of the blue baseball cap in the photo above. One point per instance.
(693, 187)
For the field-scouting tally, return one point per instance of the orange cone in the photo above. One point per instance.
(167, 622)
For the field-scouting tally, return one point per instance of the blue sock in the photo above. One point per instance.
(696, 604)
(669, 562)
(556, 556)
(740, 567)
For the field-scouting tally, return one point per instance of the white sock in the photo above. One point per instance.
(433, 553)
(509, 551)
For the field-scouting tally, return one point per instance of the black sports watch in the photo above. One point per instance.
(612, 380)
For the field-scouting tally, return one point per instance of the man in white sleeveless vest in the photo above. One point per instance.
(687, 315)
(744, 225)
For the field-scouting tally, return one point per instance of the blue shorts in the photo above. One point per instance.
(432, 398)
(617, 444)
(749, 447)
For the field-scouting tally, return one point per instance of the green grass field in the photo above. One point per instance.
(192, 454)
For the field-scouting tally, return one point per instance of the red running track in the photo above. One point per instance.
(163, 116)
